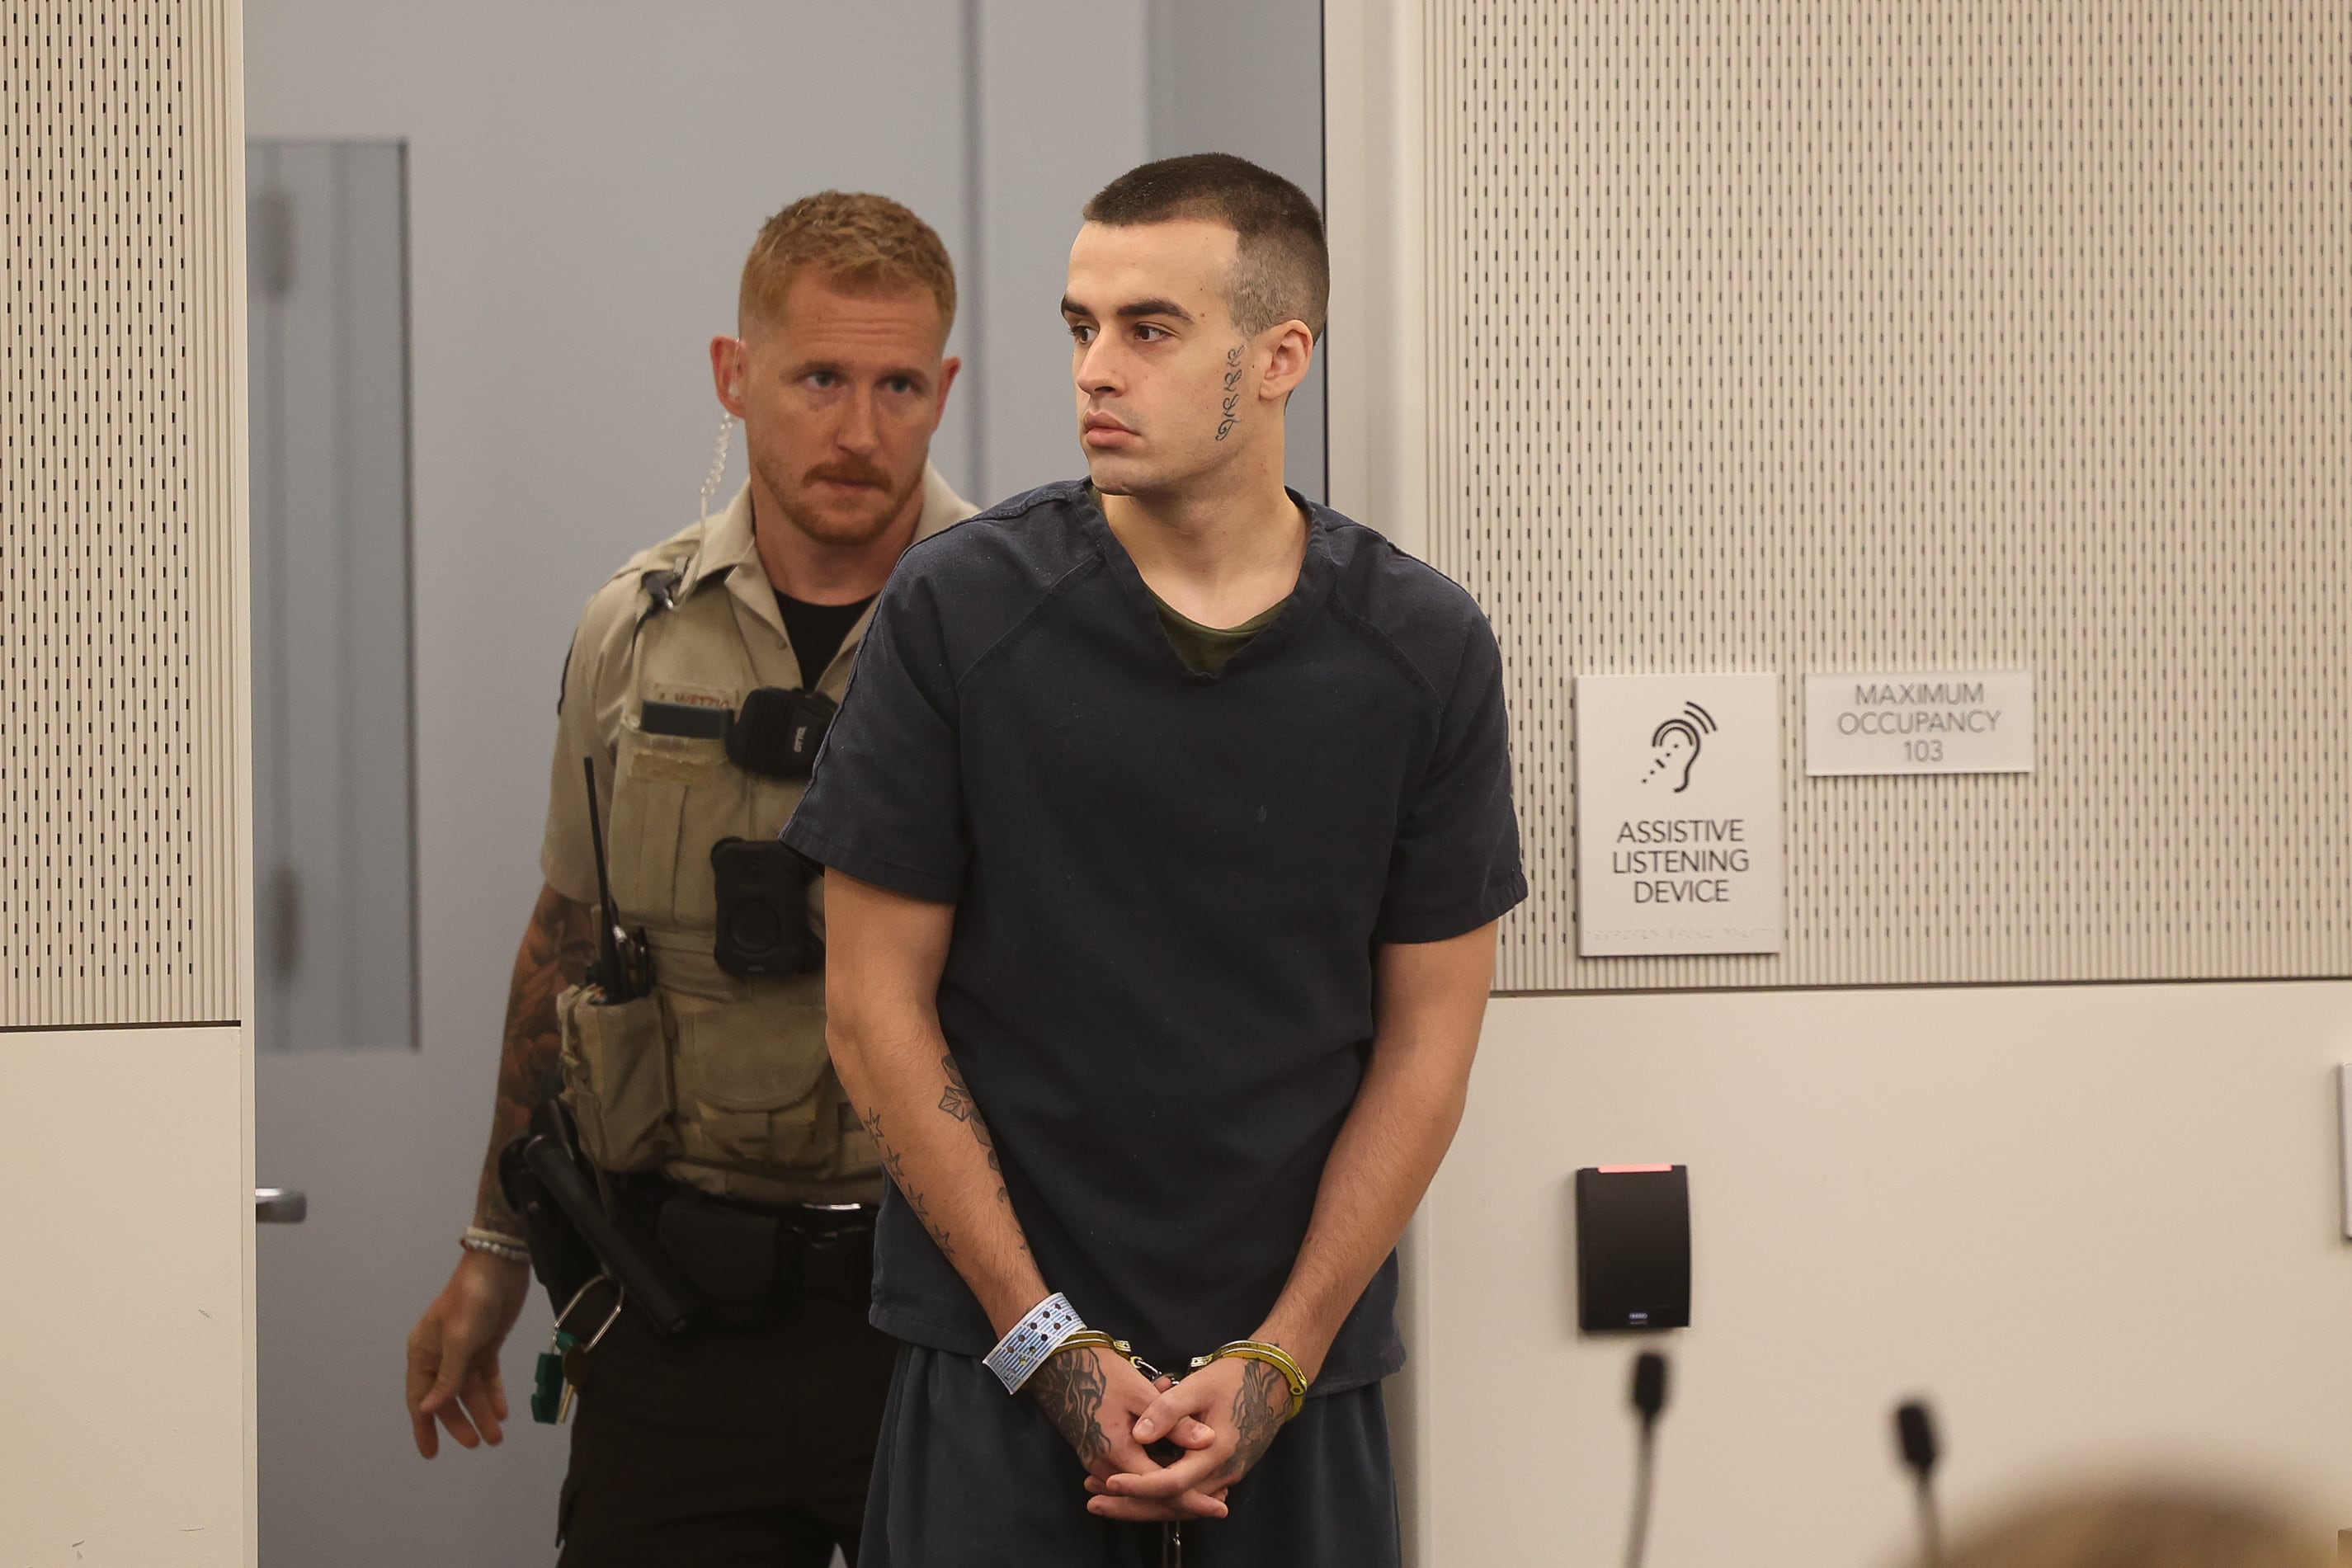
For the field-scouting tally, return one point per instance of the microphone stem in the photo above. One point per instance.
(1638, 1539)
(1931, 1529)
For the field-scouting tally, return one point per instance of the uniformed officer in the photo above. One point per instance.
(699, 681)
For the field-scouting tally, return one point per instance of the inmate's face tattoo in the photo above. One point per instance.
(1167, 387)
(1233, 392)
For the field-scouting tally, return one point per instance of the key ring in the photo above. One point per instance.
(620, 1299)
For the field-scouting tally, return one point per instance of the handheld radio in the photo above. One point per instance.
(623, 969)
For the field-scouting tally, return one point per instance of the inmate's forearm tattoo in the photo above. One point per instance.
(1233, 392)
(556, 951)
(1069, 1389)
(1259, 1406)
(955, 1100)
(896, 1164)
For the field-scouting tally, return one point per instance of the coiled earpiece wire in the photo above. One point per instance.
(710, 481)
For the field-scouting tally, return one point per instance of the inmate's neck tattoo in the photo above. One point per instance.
(1232, 390)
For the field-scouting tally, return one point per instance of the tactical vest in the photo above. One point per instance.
(721, 1082)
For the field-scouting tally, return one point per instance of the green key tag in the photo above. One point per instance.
(547, 1388)
(548, 1383)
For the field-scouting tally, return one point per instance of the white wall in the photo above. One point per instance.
(127, 1375)
(2099, 1226)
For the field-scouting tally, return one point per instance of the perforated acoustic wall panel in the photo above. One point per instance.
(122, 405)
(1893, 335)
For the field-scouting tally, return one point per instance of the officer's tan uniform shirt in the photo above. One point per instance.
(747, 1064)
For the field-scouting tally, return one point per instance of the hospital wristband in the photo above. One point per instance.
(1034, 1339)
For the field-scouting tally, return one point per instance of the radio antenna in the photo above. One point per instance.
(616, 980)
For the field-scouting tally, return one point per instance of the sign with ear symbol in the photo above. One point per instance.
(1678, 814)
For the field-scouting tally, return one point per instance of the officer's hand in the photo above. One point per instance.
(1240, 1405)
(1092, 1396)
(453, 1352)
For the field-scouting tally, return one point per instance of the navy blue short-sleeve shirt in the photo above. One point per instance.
(1169, 886)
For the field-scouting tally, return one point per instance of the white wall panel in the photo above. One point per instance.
(121, 441)
(124, 800)
(128, 1245)
(2097, 1226)
(1819, 335)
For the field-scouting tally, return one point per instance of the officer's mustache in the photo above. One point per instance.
(847, 471)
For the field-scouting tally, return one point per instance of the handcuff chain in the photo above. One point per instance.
(1095, 1339)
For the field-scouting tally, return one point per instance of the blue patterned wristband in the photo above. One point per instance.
(1033, 1339)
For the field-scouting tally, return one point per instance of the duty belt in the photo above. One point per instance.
(755, 1265)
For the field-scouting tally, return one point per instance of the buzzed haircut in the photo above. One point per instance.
(1282, 269)
(861, 243)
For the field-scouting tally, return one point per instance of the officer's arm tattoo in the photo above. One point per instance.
(896, 1164)
(555, 954)
(1069, 1389)
(1259, 1406)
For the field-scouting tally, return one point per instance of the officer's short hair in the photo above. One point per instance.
(861, 243)
(1282, 271)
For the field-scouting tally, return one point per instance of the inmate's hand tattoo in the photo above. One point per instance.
(1259, 1405)
(1069, 1389)
(1233, 392)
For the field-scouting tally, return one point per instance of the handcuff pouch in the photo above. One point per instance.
(776, 733)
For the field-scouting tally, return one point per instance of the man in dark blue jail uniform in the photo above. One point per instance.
(1170, 819)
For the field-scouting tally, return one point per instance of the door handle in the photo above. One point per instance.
(279, 1204)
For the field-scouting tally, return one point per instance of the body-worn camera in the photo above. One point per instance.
(763, 924)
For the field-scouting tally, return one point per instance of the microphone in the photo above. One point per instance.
(1650, 1385)
(1915, 1438)
(1649, 1399)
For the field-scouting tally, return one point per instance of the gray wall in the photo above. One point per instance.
(582, 186)
(1222, 76)
(1246, 77)
(1059, 111)
(583, 183)
(326, 308)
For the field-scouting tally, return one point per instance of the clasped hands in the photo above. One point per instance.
(1161, 1451)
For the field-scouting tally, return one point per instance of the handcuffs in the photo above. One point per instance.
(1171, 1534)
(1274, 1355)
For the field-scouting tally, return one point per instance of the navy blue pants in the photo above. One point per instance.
(966, 1477)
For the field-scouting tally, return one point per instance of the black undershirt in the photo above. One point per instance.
(816, 632)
